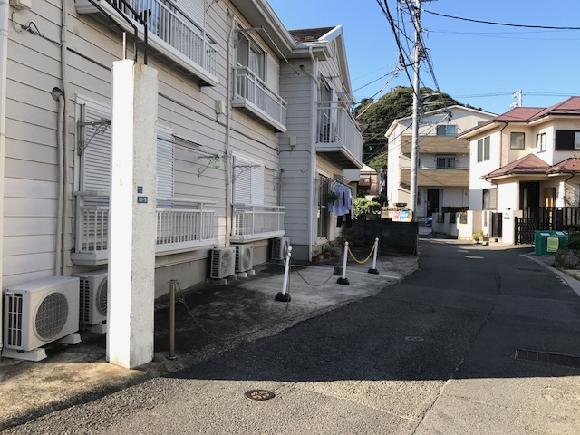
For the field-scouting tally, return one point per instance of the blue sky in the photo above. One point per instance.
(468, 58)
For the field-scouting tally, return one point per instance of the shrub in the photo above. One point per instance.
(574, 242)
(364, 206)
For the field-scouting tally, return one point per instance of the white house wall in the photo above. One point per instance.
(31, 154)
(478, 169)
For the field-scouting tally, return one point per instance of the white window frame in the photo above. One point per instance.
(447, 160)
(446, 126)
(541, 142)
(483, 149)
(518, 133)
(577, 140)
(252, 44)
(165, 138)
(257, 190)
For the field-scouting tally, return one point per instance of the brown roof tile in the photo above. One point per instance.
(519, 114)
(310, 35)
(530, 164)
(568, 165)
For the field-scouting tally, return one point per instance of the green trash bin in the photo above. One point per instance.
(548, 242)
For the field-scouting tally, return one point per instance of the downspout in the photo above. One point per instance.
(501, 143)
(312, 157)
(57, 95)
(65, 135)
(4, 13)
(228, 175)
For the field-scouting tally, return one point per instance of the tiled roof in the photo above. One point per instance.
(568, 165)
(530, 164)
(310, 35)
(519, 114)
(569, 107)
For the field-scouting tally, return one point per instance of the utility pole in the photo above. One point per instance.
(416, 16)
(519, 98)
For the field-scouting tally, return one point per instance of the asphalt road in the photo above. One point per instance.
(435, 354)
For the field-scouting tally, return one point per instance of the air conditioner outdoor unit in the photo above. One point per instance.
(222, 262)
(244, 258)
(40, 312)
(93, 297)
(279, 248)
(86, 7)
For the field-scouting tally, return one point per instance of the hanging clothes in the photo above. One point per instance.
(342, 204)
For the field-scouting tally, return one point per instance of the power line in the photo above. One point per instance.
(497, 23)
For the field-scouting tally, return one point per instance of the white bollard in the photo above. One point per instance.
(343, 280)
(373, 270)
(284, 296)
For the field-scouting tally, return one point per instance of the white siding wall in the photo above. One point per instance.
(31, 155)
(299, 91)
(478, 169)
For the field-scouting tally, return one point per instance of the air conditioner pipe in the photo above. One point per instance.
(57, 96)
(172, 290)
(4, 14)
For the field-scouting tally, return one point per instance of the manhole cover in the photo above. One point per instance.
(414, 338)
(260, 395)
(561, 359)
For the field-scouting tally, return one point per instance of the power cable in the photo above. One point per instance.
(497, 23)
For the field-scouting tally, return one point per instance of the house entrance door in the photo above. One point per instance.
(433, 201)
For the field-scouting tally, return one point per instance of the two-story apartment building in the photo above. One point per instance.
(321, 138)
(524, 164)
(251, 118)
(443, 179)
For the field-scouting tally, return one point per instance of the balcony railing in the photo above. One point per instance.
(178, 229)
(337, 131)
(257, 223)
(170, 30)
(252, 93)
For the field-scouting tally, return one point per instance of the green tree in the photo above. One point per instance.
(378, 115)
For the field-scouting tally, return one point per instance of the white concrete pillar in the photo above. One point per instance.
(132, 217)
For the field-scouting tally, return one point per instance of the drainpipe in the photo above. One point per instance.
(228, 175)
(4, 13)
(57, 96)
(65, 135)
(312, 157)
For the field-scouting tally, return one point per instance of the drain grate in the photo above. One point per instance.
(260, 395)
(561, 359)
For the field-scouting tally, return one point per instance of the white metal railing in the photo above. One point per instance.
(248, 87)
(190, 225)
(335, 125)
(167, 22)
(253, 222)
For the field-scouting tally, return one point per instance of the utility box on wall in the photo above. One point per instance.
(548, 242)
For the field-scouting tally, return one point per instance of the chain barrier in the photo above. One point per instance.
(356, 260)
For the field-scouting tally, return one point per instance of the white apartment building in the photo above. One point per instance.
(523, 166)
(250, 116)
(443, 176)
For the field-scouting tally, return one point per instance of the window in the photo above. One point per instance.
(446, 130)
(250, 55)
(541, 142)
(445, 162)
(483, 149)
(165, 159)
(489, 199)
(249, 182)
(517, 140)
(567, 140)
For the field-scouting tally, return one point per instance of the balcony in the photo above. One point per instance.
(338, 135)
(436, 145)
(171, 32)
(257, 223)
(189, 226)
(437, 177)
(252, 94)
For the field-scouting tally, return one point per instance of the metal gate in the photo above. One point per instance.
(525, 229)
(496, 225)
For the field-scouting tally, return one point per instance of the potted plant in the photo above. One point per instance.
(478, 237)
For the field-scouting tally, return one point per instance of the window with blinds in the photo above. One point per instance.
(96, 156)
(249, 182)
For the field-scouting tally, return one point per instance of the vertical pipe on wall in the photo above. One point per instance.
(312, 165)
(58, 97)
(4, 13)
(65, 136)
(227, 167)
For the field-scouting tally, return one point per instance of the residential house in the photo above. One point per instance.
(443, 180)
(368, 181)
(524, 165)
(321, 138)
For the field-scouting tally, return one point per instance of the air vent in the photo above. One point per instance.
(51, 316)
(14, 319)
(101, 297)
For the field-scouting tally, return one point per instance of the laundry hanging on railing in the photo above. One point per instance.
(341, 204)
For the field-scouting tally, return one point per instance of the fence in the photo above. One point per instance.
(257, 223)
